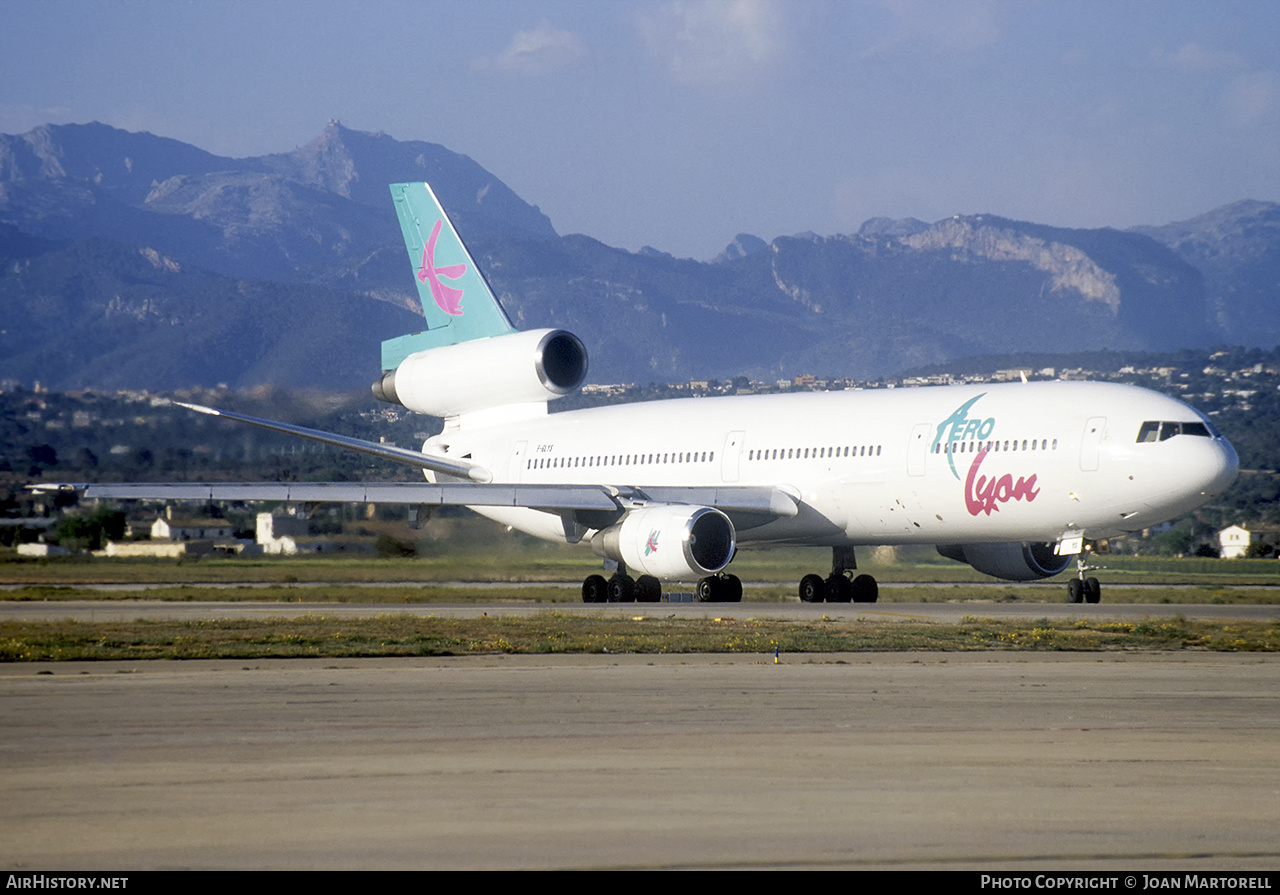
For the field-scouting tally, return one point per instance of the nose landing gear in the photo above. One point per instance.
(1081, 589)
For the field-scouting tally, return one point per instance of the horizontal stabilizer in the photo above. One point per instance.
(446, 465)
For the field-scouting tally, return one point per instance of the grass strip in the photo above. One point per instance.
(550, 632)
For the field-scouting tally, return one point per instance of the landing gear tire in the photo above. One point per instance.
(720, 589)
(648, 589)
(709, 589)
(622, 589)
(839, 589)
(1075, 591)
(812, 589)
(732, 589)
(1092, 590)
(595, 589)
(865, 589)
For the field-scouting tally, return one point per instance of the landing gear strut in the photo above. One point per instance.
(841, 586)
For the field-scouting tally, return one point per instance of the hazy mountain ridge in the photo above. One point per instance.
(126, 256)
(1237, 250)
(105, 314)
(275, 216)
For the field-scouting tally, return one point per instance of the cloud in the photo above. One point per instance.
(536, 52)
(1192, 57)
(1253, 99)
(715, 41)
(955, 25)
(1249, 98)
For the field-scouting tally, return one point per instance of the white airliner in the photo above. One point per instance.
(1011, 479)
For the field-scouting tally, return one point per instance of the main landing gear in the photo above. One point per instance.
(621, 588)
(720, 588)
(841, 586)
(1081, 589)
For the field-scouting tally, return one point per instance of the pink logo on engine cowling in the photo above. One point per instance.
(651, 546)
(983, 495)
(448, 299)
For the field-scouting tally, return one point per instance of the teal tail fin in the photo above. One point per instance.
(457, 302)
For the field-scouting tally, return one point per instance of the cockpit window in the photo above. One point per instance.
(1164, 430)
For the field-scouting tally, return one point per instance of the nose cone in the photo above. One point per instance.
(1221, 474)
(1186, 472)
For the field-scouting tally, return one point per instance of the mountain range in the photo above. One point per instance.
(135, 261)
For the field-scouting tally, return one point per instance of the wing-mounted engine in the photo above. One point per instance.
(1016, 561)
(671, 542)
(513, 369)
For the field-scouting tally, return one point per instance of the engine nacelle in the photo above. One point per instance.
(677, 543)
(1017, 561)
(517, 368)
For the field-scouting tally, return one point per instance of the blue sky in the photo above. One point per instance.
(679, 124)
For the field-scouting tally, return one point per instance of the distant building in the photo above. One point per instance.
(1235, 541)
(164, 549)
(1014, 375)
(176, 536)
(280, 534)
(171, 529)
(42, 549)
(290, 535)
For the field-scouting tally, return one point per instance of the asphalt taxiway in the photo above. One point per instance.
(942, 612)
(905, 760)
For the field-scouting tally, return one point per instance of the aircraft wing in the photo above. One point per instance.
(746, 506)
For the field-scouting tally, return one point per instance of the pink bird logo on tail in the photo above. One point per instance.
(447, 298)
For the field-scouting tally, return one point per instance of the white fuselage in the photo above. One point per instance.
(939, 465)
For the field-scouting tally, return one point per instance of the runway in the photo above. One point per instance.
(907, 760)
(945, 613)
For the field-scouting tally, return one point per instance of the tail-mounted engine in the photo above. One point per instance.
(518, 368)
(1013, 562)
(674, 543)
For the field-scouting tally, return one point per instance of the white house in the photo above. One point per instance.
(280, 534)
(169, 529)
(1235, 541)
(290, 535)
